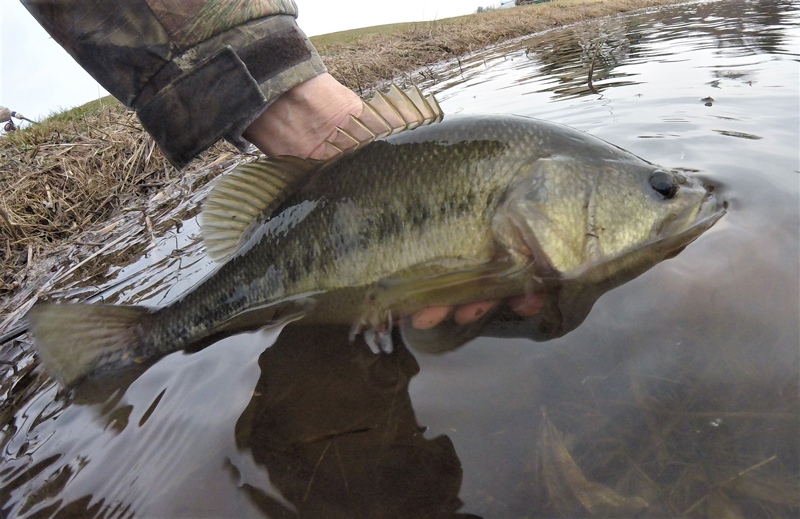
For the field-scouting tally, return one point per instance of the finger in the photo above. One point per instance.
(429, 317)
(527, 305)
(471, 312)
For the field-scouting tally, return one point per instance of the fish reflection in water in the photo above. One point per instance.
(334, 426)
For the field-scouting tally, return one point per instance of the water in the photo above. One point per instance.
(680, 390)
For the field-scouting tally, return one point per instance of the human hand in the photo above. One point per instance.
(526, 305)
(300, 121)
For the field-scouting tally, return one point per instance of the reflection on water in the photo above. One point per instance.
(334, 426)
(677, 396)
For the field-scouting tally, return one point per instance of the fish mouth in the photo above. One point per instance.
(711, 207)
(670, 244)
(710, 210)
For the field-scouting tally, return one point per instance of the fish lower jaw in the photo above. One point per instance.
(710, 210)
(710, 207)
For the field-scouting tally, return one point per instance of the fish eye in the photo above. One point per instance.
(664, 184)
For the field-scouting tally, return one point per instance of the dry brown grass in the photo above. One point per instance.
(75, 170)
(67, 174)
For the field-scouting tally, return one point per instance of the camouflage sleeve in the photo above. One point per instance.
(195, 71)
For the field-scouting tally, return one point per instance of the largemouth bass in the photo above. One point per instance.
(467, 209)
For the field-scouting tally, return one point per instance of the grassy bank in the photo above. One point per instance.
(74, 171)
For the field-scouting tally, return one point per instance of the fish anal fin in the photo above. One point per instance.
(247, 321)
(244, 198)
(267, 316)
(453, 281)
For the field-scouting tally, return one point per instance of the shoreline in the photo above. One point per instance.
(362, 62)
(84, 178)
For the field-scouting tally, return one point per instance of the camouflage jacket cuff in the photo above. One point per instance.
(217, 88)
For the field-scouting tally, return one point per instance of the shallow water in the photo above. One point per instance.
(680, 390)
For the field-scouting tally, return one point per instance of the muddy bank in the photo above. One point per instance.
(73, 184)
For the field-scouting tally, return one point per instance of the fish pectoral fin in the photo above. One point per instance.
(383, 115)
(244, 199)
(446, 282)
(277, 314)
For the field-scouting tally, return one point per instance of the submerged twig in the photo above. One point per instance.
(591, 69)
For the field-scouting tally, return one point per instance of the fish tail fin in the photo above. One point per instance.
(73, 341)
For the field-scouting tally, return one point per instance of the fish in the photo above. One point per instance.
(412, 210)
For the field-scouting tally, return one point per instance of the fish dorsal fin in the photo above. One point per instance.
(244, 199)
(428, 112)
(385, 114)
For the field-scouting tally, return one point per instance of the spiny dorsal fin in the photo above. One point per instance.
(426, 110)
(244, 199)
(411, 114)
(385, 114)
